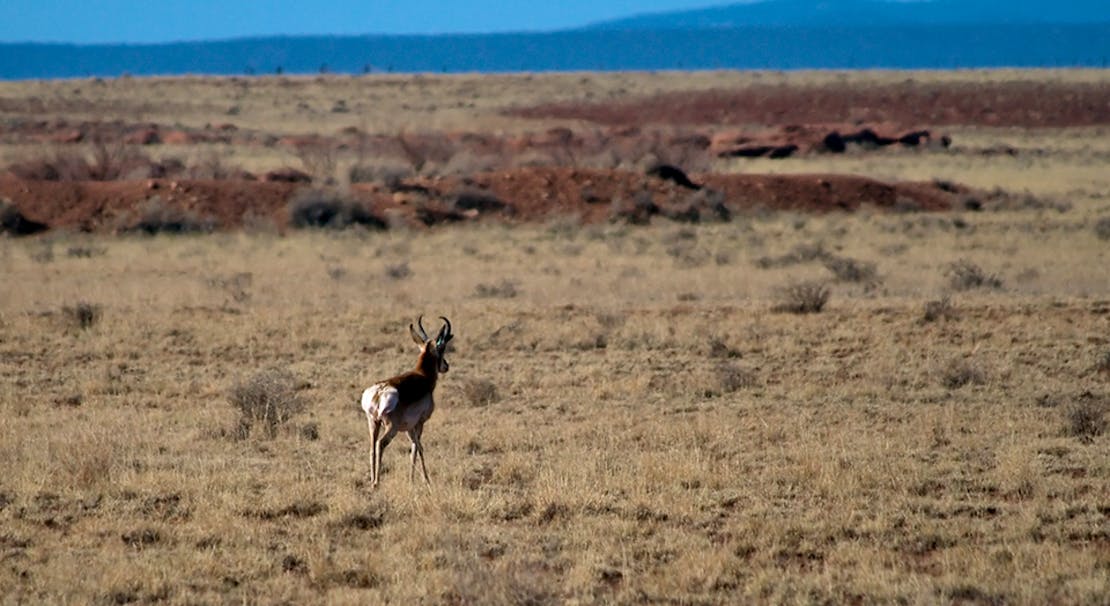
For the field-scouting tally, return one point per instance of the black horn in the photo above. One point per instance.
(420, 324)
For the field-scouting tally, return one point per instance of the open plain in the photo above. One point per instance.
(873, 375)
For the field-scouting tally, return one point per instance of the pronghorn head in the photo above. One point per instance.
(436, 348)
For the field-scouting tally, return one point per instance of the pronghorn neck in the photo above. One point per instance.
(428, 365)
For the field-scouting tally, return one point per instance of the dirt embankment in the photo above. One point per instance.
(525, 194)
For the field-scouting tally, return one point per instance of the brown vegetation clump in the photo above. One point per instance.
(960, 372)
(966, 275)
(83, 314)
(802, 297)
(265, 401)
(1086, 416)
(326, 208)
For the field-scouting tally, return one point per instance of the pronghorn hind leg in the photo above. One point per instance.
(375, 429)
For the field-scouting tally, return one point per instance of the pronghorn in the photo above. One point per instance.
(404, 403)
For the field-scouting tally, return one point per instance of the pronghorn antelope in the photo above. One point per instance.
(404, 403)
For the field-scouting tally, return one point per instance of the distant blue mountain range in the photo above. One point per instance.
(841, 13)
(774, 34)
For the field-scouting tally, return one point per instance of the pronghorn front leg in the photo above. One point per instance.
(418, 450)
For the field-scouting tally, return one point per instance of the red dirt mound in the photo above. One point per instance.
(909, 104)
(526, 194)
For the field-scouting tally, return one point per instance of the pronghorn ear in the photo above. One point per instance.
(415, 337)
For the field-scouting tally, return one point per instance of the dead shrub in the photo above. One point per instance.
(479, 392)
(1102, 365)
(1085, 418)
(846, 269)
(319, 159)
(1102, 228)
(702, 206)
(802, 253)
(940, 309)
(267, 401)
(505, 289)
(326, 208)
(13, 222)
(802, 298)
(101, 161)
(157, 217)
(960, 372)
(731, 377)
(390, 175)
(637, 211)
(965, 275)
(83, 315)
(400, 271)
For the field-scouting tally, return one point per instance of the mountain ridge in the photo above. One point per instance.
(795, 13)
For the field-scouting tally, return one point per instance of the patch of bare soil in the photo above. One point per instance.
(908, 104)
(525, 194)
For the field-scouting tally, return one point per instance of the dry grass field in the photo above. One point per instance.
(630, 417)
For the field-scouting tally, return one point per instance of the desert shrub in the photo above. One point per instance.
(939, 309)
(731, 377)
(13, 222)
(846, 269)
(481, 201)
(390, 175)
(212, 165)
(702, 206)
(505, 289)
(267, 401)
(157, 217)
(319, 159)
(965, 275)
(802, 297)
(83, 315)
(637, 211)
(325, 208)
(1102, 364)
(82, 251)
(1102, 228)
(99, 162)
(960, 372)
(479, 392)
(398, 271)
(802, 253)
(1085, 418)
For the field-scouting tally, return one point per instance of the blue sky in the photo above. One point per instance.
(98, 21)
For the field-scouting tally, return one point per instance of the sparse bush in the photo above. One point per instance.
(731, 377)
(1086, 416)
(400, 271)
(480, 201)
(802, 253)
(637, 211)
(702, 206)
(389, 175)
(319, 159)
(965, 275)
(83, 315)
(267, 400)
(78, 251)
(1102, 365)
(99, 162)
(13, 222)
(479, 392)
(505, 289)
(1102, 228)
(325, 208)
(939, 309)
(157, 217)
(802, 298)
(850, 270)
(960, 372)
